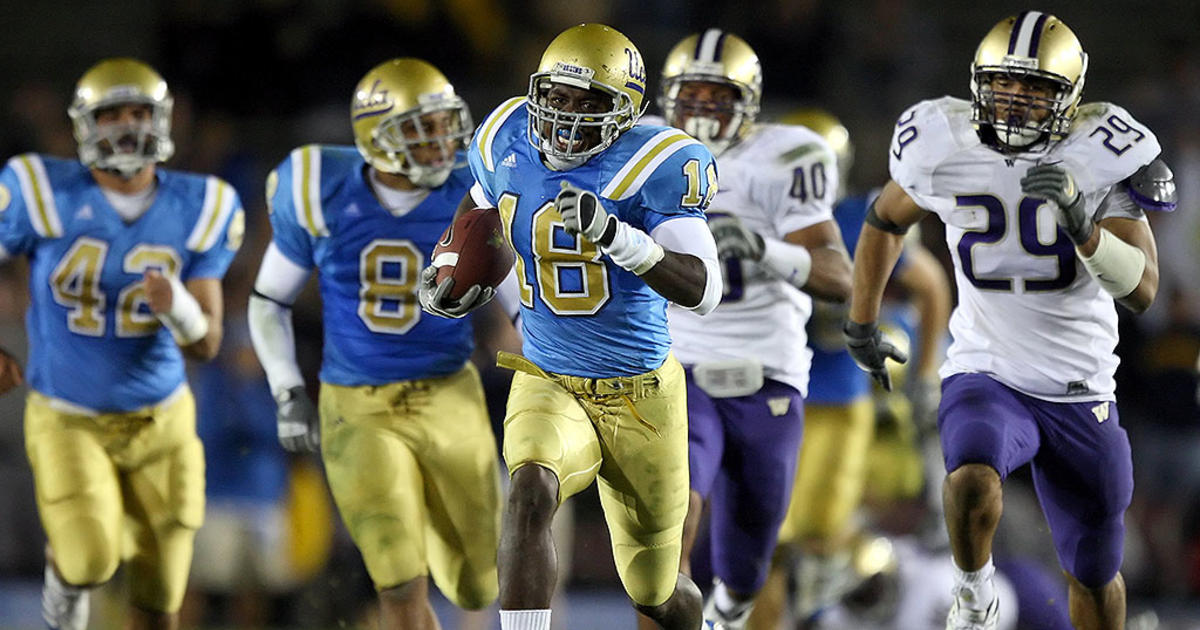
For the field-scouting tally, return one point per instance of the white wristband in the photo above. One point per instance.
(186, 321)
(1116, 265)
(789, 261)
(633, 249)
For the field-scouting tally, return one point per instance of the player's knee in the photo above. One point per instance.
(533, 496)
(974, 486)
(475, 592)
(1092, 557)
(91, 557)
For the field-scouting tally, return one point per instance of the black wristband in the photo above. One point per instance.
(876, 222)
(857, 330)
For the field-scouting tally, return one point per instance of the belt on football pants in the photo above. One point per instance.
(594, 389)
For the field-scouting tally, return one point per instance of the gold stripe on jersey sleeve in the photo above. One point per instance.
(490, 126)
(214, 211)
(305, 197)
(40, 191)
(637, 167)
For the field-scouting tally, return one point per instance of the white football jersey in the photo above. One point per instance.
(1029, 314)
(779, 179)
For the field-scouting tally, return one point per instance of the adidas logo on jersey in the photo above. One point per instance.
(1101, 412)
(510, 161)
(84, 213)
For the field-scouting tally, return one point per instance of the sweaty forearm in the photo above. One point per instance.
(874, 259)
(830, 277)
(678, 277)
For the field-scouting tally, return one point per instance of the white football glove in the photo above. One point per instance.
(297, 422)
(435, 298)
(734, 239)
(582, 213)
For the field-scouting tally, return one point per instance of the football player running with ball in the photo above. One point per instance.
(747, 361)
(126, 261)
(607, 221)
(401, 425)
(1043, 200)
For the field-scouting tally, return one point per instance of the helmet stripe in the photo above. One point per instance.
(720, 47)
(1024, 32)
(1016, 32)
(707, 46)
(1036, 38)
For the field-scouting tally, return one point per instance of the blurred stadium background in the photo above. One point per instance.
(254, 78)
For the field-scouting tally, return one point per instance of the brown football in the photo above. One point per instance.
(473, 251)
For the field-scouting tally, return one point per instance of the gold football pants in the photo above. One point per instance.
(414, 471)
(631, 432)
(120, 486)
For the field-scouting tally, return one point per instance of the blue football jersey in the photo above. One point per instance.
(93, 340)
(582, 314)
(325, 216)
(834, 378)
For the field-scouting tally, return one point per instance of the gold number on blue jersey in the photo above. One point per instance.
(132, 319)
(75, 284)
(388, 271)
(691, 171)
(556, 263)
(508, 208)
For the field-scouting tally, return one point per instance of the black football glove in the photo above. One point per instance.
(871, 350)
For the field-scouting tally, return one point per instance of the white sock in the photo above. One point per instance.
(975, 588)
(726, 604)
(525, 619)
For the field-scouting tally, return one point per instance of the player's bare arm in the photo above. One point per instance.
(10, 372)
(878, 249)
(193, 312)
(830, 273)
(678, 277)
(929, 288)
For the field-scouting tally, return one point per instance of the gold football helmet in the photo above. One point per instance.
(592, 57)
(831, 129)
(406, 106)
(713, 56)
(125, 147)
(1039, 52)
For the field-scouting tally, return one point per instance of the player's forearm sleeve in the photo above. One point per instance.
(1116, 265)
(270, 317)
(690, 235)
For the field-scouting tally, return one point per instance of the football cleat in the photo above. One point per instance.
(63, 607)
(964, 618)
(715, 619)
